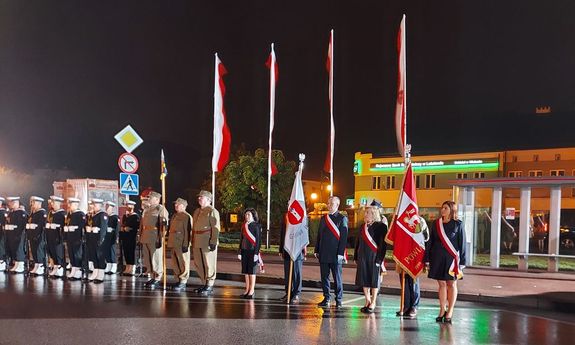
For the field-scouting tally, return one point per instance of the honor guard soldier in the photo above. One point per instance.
(128, 234)
(55, 236)
(205, 235)
(36, 235)
(3, 216)
(111, 239)
(16, 235)
(179, 242)
(96, 235)
(330, 250)
(73, 230)
(296, 276)
(152, 229)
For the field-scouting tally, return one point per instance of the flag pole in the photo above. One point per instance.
(272, 108)
(332, 129)
(214, 188)
(289, 280)
(162, 233)
(402, 299)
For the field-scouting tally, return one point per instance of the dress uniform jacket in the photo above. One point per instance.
(180, 228)
(55, 235)
(75, 225)
(36, 235)
(95, 238)
(130, 225)
(15, 235)
(328, 246)
(206, 229)
(152, 218)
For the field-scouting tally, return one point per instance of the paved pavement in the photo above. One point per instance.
(539, 290)
(121, 311)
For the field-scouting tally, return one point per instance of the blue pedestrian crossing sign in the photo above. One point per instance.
(129, 184)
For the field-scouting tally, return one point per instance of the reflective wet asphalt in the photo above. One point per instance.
(121, 311)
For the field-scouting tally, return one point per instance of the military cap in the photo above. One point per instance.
(376, 203)
(97, 201)
(130, 202)
(155, 195)
(2, 199)
(36, 198)
(13, 198)
(181, 202)
(56, 198)
(206, 194)
(71, 200)
(111, 203)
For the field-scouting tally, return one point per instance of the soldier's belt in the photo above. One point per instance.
(10, 227)
(93, 229)
(126, 229)
(150, 227)
(52, 226)
(110, 229)
(70, 228)
(202, 231)
(31, 226)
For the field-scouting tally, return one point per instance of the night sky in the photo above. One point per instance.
(74, 73)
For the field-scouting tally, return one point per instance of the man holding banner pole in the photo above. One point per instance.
(295, 238)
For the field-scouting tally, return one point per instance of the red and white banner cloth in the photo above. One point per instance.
(222, 136)
(405, 236)
(328, 165)
(367, 239)
(401, 105)
(297, 232)
(454, 270)
(248, 235)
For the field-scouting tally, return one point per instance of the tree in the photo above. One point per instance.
(243, 184)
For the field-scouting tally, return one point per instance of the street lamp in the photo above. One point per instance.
(313, 196)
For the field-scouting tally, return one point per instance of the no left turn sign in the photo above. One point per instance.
(128, 163)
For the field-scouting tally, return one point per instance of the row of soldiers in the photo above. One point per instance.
(89, 240)
(46, 237)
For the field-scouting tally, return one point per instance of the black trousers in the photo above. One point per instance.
(95, 251)
(2, 245)
(335, 269)
(75, 253)
(109, 248)
(38, 248)
(55, 247)
(16, 245)
(128, 244)
(296, 277)
(410, 293)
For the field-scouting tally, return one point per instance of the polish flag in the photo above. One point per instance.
(222, 136)
(401, 105)
(404, 234)
(297, 231)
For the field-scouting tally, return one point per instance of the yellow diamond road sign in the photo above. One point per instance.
(128, 138)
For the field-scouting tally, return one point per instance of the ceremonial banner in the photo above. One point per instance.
(297, 233)
(222, 136)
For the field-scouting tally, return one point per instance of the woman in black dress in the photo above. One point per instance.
(445, 258)
(370, 250)
(250, 241)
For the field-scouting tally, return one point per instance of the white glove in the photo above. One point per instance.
(461, 267)
(239, 256)
(256, 258)
(340, 258)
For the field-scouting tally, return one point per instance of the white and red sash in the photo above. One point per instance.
(454, 268)
(368, 239)
(335, 231)
(249, 235)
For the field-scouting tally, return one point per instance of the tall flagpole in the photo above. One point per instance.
(162, 233)
(272, 108)
(332, 125)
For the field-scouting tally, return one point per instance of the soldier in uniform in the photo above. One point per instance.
(179, 242)
(16, 235)
(330, 250)
(128, 234)
(75, 226)
(296, 285)
(96, 234)
(206, 232)
(55, 236)
(152, 229)
(36, 235)
(3, 215)
(111, 239)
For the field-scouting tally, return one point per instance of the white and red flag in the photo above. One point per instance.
(328, 165)
(297, 233)
(273, 66)
(222, 136)
(401, 105)
(405, 236)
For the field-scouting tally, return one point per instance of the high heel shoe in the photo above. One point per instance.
(440, 318)
(447, 320)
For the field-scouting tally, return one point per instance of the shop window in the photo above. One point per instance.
(376, 182)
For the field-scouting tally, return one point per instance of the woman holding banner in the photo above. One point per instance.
(250, 241)
(445, 258)
(369, 253)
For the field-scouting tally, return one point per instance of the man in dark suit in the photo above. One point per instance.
(330, 250)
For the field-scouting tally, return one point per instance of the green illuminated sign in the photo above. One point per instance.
(493, 166)
(357, 167)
